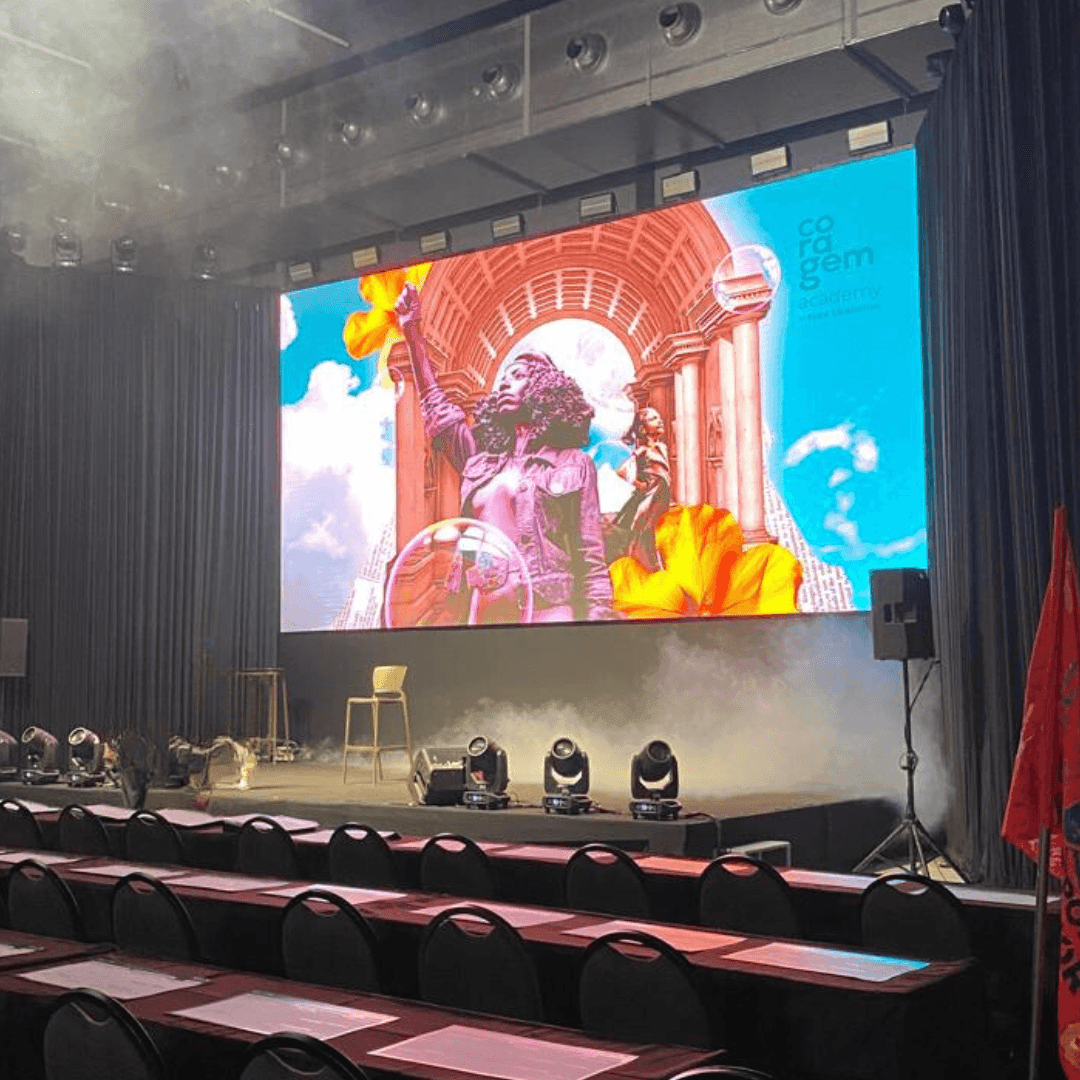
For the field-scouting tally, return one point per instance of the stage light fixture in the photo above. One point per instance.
(679, 23)
(499, 82)
(228, 176)
(596, 206)
(125, 255)
(781, 7)
(39, 753)
(770, 161)
(204, 263)
(566, 778)
(67, 250)
(586, 52)
(284, 153)
(301, 272)
(869, 137)
(9, 756)
(86, 753)
(654, 782)
(486, 775)
(365, 257)
(351, 133)
(433, 243)
(937, 63)
(423, 108)
(506, 228)
(680, 185)
(951, 19)
(14, 238)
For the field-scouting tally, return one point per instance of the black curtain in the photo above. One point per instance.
(999, 180)
(138, 498)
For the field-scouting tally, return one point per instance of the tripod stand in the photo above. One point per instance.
(919, 841)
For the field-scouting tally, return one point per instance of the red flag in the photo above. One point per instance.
(1045, 789)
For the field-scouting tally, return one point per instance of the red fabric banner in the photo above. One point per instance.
(1045, 790)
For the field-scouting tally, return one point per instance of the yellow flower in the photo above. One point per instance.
(706, 572)
(368, 331)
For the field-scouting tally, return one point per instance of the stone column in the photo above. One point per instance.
(730, 415)
(410, 443)
(680, 439)
(751, 462)
(690, 427)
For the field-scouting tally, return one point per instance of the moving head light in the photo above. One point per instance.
(86, 754)
(39, 752)
(654, 782)
(566, 778)
(486, 775)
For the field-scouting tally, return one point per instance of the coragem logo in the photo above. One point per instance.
(818, 255)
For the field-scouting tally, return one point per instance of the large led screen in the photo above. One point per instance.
(707, 410)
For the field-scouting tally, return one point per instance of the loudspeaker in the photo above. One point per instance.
(13, 634)
(903, 628)
(438, 775)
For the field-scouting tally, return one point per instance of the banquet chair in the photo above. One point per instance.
(298, 1057)
(264, 847)
(89, 1035)
(456, 865)
(19, 827)
(40, 902)
(910, 915)
(149, 838)
(81, 831)
(636, 988)
(722, 1072)
(325, 940)
(386, 689)
(358, 855)
(602, 878)
(739, 892)
(473, 959)
(149, 919)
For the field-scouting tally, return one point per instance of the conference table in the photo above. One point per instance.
(821, 1011)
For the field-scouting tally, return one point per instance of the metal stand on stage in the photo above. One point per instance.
(919, 841)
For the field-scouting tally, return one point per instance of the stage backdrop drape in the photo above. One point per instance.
(999, 179)
(138, 497)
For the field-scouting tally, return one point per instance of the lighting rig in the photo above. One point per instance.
(654, 783)
(39, 752)
(9, 756)
(86, 754)
(566, 778)
(486, 775)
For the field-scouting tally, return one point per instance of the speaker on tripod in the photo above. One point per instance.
(903, 630)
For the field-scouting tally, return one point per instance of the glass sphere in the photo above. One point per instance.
(735, 275)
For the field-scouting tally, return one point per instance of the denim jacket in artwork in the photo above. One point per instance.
(557, 508)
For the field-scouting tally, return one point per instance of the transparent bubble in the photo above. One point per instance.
(458, 572)
(747, 278)
(397, 381)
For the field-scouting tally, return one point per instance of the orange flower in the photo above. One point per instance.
(368, 331)
(706, 571)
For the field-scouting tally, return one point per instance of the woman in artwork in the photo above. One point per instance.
(649, 470)
(523, 471)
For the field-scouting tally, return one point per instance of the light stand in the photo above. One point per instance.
(919, 841)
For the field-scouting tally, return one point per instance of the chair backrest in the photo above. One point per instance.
(89, 1035)
(470, 958)
(18, 827)
(358, 855)
(39, 902)
(909, 915)
(325, 940)
(149, 838)
(602, 878)
(454, 864)
(388, 679)
(80, 830)
(737, 892)
(148, 918)
(722, 1072)
(298, 1057)
(264, 847)
(636, 988)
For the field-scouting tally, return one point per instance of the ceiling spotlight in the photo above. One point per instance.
(39, 750)
(654, 782)
(596, 206)
(679, 23)
(680, 185)
(351, 133)
(422, 108)
(951, 19)
(781, 7)
(586, 51)
(772, 161)
(67, 249)
(301, 272)
(284, 153)
(937, 63)
(365, 257)
(499, 82)
(125, 254)
(434, 242)
(507, 228)
(204, 263)
(566, 778)
(869, 137)
(86, 752)
(227, 176)
(486, 775)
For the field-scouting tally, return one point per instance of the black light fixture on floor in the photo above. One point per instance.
(566, 778)
(654, 782)
(9, 756)
(486, 775)
(39, 752)
(86, 752)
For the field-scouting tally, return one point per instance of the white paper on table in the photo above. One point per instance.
(112, 813)
(46, 858)
(976, 893)
(811, 878)
(540, 852)
(228, 882)
(673, 865)
(322, 836)
(518, 917)
(350, 894)
(117, 980)
(17, 950)
(266, 1014)
(678, 937)
(508, 1057)
(119, 870)
(38, 808)
(289, 824)
(808, 958)
(187, 819)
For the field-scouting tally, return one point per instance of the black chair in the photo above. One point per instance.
(479, 964)
(39, 902)
(358, 855)
(325, 940)
(456, 865)
(264, 847)
(89, 1035)
(737, 892)
(80, 831)
(149, 838)
(722, 1072)
(148, 918)
(605, 879)
(298, 1057)
(636, 988)
(909, 915)
(18, 827)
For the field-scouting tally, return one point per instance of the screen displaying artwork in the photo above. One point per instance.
(709, 410)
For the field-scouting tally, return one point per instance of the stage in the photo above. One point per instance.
(826, 832)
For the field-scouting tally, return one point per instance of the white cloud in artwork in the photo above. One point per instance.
(319, 537)
(289, 327)
(854, 548)
(838, 477)
(865, 453)
(834, 438)
(844, 501)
